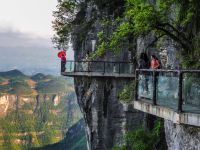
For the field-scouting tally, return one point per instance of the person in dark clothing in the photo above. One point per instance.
(143, 63)
(63, 63)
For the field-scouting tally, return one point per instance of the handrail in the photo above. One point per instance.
(170, 70)
(155, 72)
(99, 61)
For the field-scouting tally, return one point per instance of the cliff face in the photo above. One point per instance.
(10, 103)
(5, 102)
(181, 137)
(106, 118)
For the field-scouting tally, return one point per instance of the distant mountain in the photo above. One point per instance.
(38, 76)
(17, 83)
(12, 73)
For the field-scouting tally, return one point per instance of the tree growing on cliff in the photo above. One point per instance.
(70, 18)
(176, 19)
(64, 17)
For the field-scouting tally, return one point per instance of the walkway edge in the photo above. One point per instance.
(169, 114)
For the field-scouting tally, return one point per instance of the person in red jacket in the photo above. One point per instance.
(154, 62)
(63, 63)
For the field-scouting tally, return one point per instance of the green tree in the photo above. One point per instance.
(64, 17)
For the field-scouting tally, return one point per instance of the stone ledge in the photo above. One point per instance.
(169, 114)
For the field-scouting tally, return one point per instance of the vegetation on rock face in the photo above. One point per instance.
(142, 139)
(70, 18)
(126, 95)
(178, 20)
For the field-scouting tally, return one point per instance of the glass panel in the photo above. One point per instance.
(69, 67)
(145, 86)
(191, 92)
(126, 68)
(167, 90)
(96, 67)
(81, 66)
(112, 67)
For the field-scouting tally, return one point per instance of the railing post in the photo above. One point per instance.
(119, 68)
(75, 66)
(180, 97)
(70, 68)
(136, 84)
(88, 65)
(61, 69)
(154, 87)
(104, 67)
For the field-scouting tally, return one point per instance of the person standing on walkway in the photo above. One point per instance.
(154, 62)
(143, 63)
(86, 62)
(63, 63)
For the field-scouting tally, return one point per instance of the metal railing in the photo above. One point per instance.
(176, 89)
(100, 67)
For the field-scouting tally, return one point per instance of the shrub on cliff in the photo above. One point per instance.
(126, 95)
(142, 139)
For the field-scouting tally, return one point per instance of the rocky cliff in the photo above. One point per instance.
(182, 137)
(107, 119)
(9, 103)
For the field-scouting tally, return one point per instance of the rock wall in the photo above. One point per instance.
(182, 137)
(13, 102)
(106, 118)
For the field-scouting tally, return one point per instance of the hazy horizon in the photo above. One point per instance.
(25, 37)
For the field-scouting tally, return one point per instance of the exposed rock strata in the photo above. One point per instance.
(181, 137)
(13, 102)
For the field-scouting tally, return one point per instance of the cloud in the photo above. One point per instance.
(14, 38)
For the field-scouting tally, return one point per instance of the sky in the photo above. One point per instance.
(25, 36)
(30, 16)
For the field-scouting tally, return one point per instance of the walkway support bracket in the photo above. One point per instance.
(154, 87)
(136, 84)
(180, 91)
